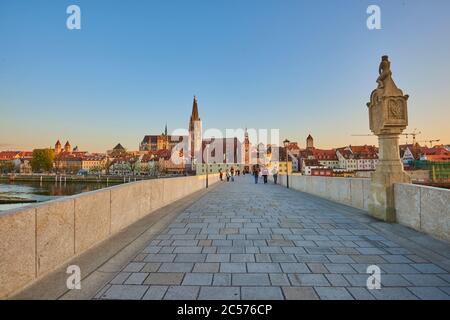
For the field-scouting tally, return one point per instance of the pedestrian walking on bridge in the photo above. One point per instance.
(256, 174)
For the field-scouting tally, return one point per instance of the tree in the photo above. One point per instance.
(108, 165)
(133, 163)
(97, 169)
(42, 160)
(6, 166)
(154, 168)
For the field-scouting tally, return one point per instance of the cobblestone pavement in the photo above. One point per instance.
(247, 241)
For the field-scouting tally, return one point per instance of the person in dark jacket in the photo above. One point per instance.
(256, 174)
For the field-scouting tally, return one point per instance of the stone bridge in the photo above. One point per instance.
(239, 240)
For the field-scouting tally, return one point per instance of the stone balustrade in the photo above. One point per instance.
(36, 240)
(354, 192)
(426, 209)
(423, 208)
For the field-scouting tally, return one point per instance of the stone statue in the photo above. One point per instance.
(384, 70)
(388, 117)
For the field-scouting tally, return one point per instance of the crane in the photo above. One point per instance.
(413, 134)
(406, 134)
(430, 141)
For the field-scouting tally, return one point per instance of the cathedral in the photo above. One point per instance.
(164, 141)
(67, 147)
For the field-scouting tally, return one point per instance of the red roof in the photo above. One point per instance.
(26, 154)
(359, 152)
(312, 163)
(93, 157)
(156, 155)
(68, 156)
(123, 159)
(324, 154)
(9, 155)
(418, 151)
(438, 157)
(293, 146)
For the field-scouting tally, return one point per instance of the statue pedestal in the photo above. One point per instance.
(389, 171)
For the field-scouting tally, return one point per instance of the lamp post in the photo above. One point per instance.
(286, 143)
(207, 169)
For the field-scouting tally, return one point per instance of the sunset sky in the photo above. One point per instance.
(300, 66)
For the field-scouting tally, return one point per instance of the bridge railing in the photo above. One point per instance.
(423, 208)
(354, 192)
(37, 239)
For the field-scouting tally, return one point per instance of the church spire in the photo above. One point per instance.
(194, 116)
(165, 130)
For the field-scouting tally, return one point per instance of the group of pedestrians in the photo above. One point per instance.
(264, 172)
(256, 172)
(229, 174)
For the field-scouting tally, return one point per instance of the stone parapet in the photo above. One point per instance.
(423, 208)
(37, 239)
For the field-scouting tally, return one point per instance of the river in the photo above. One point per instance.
(44, 191)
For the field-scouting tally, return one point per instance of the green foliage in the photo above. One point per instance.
(6, 167)
(42, 160)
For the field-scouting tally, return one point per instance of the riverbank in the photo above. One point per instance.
(22, 192)
(72, 178)
(78, 178)
(15, 200)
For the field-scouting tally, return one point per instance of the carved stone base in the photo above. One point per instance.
(389, 171)
(382, 202)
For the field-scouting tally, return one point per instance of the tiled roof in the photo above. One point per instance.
(312, 163)
(118, 147)
(438, 157)
(359, 152)
(93, 157)
(293, 146)
(9, 155)
(123, 159)
(324, 154)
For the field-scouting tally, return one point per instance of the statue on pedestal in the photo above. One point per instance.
(387, 106)
(388, 117)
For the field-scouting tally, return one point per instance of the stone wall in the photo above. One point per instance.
(423, 208)
(38, 239)
(350, 191)
(426, 209)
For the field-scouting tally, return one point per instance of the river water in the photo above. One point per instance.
(44, 191)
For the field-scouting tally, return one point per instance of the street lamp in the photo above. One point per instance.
(207, 169)
(286, 143)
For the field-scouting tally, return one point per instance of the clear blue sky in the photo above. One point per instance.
(301, 66)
